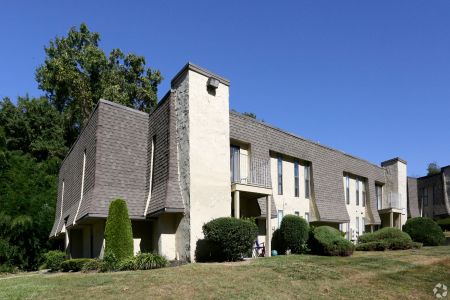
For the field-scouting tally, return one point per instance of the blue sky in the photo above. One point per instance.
(371, 78)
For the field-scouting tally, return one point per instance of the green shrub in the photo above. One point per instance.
(92, 265)
(278, 242)
(147, 261)
(109, 263)
(424, 230)
(75, 265)
(444, 224)
(394, 238)
(7, 268)
(128, 264)
(294, 232)
(118, 231)
(372, 246)
(54, 259)
(143, 261)
(416, 245)
(232, 237)
(325, 240)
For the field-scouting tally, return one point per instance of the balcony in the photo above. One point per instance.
(253, 172)
(391, 201)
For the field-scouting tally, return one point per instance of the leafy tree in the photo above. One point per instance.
(118, 231)
(77, 73)
(33, 126)
(433, 168)
(250, 114)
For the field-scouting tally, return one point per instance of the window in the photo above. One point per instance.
(296, 180)
(347, 189)
(307, 217)
(280, 217)
(363, 187)
(435, 200)
(307, 181)
(379, 196)
(357, 225)
(235, 163)
(357, 192)
(425, 197)
(363, 227)
(297, 213)
(280, 175)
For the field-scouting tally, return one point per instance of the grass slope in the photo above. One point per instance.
(367, 275)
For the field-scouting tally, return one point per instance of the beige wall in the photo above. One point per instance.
(354, 210)
(396, 186)
(287, 202)
(210, 186)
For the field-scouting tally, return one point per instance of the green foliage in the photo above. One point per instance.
(118, 230)
(250, 114)
(33, 126)
(77, 73)
(325, 240)
(75, 265)
(372, 246)
(433, 168)
(424, 230)
(109, 262)
(394, 238)
(278, 242)
(444, 224)
(147, 261)
(294, 233)
(232, 237)
(92, 265)
(54, 259)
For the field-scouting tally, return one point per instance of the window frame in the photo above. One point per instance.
(347, 190)
(307, 173)
(357, 192)
(280, 174)
(296, 179)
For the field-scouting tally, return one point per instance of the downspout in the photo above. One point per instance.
(82, 187)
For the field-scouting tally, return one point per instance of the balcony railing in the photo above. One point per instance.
(392, 200)
(257, 173)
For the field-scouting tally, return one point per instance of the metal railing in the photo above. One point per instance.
(257, 173)
(392, 200)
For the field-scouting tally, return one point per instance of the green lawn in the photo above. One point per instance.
(374, 275)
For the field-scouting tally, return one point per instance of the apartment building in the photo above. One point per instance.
(192, 159)
(429, 196)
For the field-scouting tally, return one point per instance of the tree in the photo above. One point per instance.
(433, 168)
(118, 231)
(77, 73)
(33, 126)
(250, 114)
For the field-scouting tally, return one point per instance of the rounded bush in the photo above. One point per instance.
(424, 230)
(93, 265)
(232, 237)
(75, 265)
(294, 231)
(394, 238)
(54, 259)
(326, 240)
(118, 231)
(372, 246)
(278, 242)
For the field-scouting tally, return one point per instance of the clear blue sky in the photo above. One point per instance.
(371, 78)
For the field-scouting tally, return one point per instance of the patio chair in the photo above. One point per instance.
(259, 250)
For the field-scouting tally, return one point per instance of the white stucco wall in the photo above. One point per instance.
(396, 184)
(209, 155)
(287, 202)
